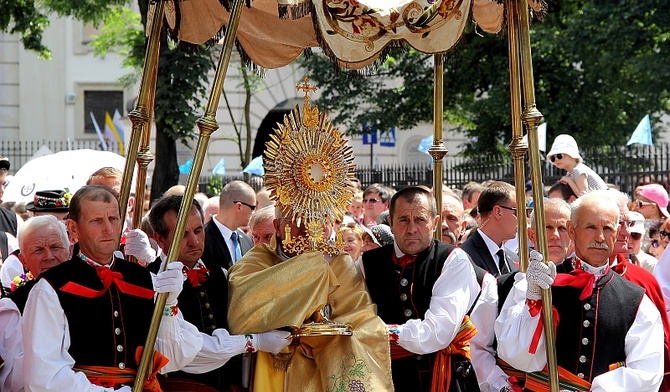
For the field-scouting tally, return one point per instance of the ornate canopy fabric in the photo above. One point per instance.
(354, 32)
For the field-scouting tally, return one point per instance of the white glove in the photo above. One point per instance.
(272, 341)
(539, 275)
(170, 281)
(138, 246)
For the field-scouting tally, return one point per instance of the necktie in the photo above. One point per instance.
(236, 245)
(502, 264)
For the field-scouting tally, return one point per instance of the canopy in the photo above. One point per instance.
(354, 33)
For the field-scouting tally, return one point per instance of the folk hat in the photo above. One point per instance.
(50, 201)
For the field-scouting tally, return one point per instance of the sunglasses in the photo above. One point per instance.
(636, 236)
(556, 157)
(664, 233)
(371, 200)
(513, 209)
(655, 243)
(641, 203)
(627, 223)
(252, 206)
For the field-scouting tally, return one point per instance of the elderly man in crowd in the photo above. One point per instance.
(45, 244)
(623, 350)
(556, 217)
(90, 316)
(453, 219)
(261, 227)
(423, 290)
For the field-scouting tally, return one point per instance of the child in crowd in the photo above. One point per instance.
(564, 154)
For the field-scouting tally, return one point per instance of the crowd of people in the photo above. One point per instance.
(378, 305)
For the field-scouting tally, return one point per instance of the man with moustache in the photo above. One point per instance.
(86, 320)
(453, 219)
(608, 334)
(204, 303)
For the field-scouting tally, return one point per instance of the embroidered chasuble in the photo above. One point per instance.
(266, 293)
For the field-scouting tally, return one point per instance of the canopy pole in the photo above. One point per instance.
(141, 115)
(438, 150)
(519, 22)
(206, 125)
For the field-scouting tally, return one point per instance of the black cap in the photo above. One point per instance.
(50, 201)
(4, 163)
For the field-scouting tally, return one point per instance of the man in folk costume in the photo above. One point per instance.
(609, 334)
(423, 290)
(45, 244)
(86, 320)
(204, 303)
(303, 282)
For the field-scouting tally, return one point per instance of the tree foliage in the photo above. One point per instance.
(599, 68)
(29, 18)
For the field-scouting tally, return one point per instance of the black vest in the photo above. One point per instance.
(20, 295)
(104, 331)
(592, 337)
(389, 289)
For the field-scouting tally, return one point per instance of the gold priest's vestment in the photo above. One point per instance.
(267, 293)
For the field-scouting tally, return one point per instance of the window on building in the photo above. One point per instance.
(98, 102)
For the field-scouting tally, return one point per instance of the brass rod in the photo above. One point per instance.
(140, 115)
(206, 125)
(438, 150)
(531, 118)
(518, 147)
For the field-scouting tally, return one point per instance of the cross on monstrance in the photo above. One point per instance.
(306, 88)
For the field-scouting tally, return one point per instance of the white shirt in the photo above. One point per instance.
(47, 363)
(11, 346)
(493, 249)
(217, 349)
(662, 274)
(226, 233)
(491, 377)
(643, 344)
(11, 268)
(453, 294)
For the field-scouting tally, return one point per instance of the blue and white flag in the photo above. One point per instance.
(425, 144)
(220, 168)
(255, 166)
(642, 134)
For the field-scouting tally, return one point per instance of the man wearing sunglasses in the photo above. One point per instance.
(497, 209)
(225, 243)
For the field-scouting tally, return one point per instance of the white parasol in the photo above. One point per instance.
(65, 169)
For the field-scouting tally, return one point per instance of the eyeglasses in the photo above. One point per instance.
(641, 203)
(636, 236)
(513, 209)
(664, 233)
(553, 158)
(371, 200)
(252, 206)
